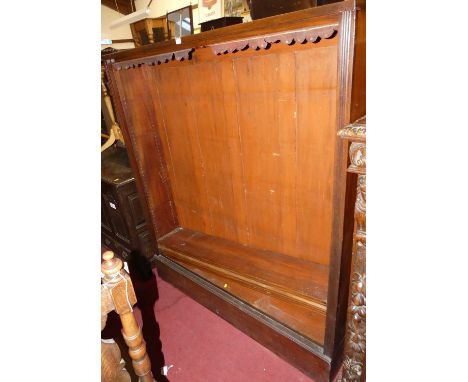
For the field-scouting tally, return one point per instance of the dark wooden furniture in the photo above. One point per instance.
(151, 30)
(260, 8)
(123, 227)
(233, 138)
(122, 6)
(220, 23)
(354, 368)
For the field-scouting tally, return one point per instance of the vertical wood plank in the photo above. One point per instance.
(267, 125)
(316, 104)
(215, 122)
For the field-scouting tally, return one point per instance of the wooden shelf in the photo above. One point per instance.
(260, 278)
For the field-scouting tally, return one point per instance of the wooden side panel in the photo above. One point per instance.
(140, 120)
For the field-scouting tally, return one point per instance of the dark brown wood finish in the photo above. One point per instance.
(122, 6)
(358, 93)
(123, 40)
(220, 23)
(233, 137)
(339, 258)
(351, 105)
(260, 9)
(123, 227)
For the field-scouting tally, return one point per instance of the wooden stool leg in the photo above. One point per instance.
(137, 347)
(119, 286)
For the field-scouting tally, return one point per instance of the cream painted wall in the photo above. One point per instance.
(161, 7)
(108, 15)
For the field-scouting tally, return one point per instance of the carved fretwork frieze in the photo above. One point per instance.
(154, 60)
(313, 34)
(299, 36)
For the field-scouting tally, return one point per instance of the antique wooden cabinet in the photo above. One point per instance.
(233, 138)
(260, 9)
(123, 226)
(148, 31)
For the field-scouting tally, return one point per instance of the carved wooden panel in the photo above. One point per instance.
(355, 346)
(116, 219)
(136, 211)
(122, 216)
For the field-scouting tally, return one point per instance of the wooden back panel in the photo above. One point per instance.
(248, 140)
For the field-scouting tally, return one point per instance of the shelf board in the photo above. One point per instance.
(295, 280)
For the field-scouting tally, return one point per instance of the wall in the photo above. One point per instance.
(108, 15)
(161, 7)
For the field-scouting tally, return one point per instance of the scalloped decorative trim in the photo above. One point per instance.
(300, 36)
(154, 60)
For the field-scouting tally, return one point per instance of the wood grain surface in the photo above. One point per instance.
(249, 142)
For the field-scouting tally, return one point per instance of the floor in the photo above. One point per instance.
(195, 344)
(204, 348)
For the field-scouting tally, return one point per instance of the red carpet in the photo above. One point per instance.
(205, 348)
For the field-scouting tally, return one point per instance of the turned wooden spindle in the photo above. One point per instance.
(119, 286)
